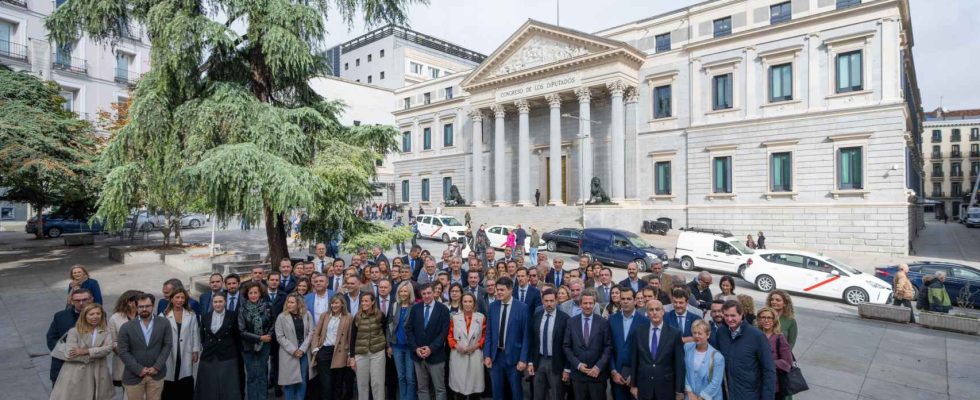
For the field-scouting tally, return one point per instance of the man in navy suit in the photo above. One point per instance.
(547, 359)
(426, 332)
(506, 346)
(679, 317)
(587, 346)
(525, 292)
(335, 276)
(622, 325)
(413, 261)
(657, 359)
(556, 276)
(287, 280)
(215, 282)
(633, 280)
(277, 300)
(168, 288)
(63, 321)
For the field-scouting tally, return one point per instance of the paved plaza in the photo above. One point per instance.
(841, 355)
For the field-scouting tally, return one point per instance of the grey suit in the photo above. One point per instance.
(136, 354)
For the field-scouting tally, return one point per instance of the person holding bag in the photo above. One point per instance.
(704, 365)
(768, 321)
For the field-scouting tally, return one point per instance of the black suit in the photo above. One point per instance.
(63, 321)
(287, 284)
(277, 305)
(213, 382)
(596, 352)
(550, 379)
(660, 377)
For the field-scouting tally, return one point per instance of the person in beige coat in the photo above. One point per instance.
(124, 312)
(85, 374)
(331, 345)
(294, 333)
(467, 331)
(904, 293)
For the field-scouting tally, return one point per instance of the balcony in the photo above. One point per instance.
(12, 50)
(937, 139)
(18, 3)
(937, 174)
(956, 175)
(975, 154)
(126, 76)
(937, 154)
(955, 154)
(955, 138)
(975, 138)
(937, 194)
(70, 64)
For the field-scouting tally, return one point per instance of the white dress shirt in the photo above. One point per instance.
(321, 304)
(217, 318)
(330, 338)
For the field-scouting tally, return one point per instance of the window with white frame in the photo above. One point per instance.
(849, 71)
(850, 168)
(447, 135)
(781, 82)
(447, 184)
(661, 178)
(434, 72)
(406, 142)
(662, 98)
(781, 171)
(415, 67)
(721, 92)
(425, 189)
(69, 96)
(405, 191)
(721, 175)
(427, 138)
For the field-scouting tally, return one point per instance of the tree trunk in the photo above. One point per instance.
(275, 233)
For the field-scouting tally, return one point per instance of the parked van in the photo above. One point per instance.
(713, 250)
(619, 248)
(440, 227)
(971, 217)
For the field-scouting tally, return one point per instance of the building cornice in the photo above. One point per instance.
(428, 107)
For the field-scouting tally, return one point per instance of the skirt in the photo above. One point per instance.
(217, 380)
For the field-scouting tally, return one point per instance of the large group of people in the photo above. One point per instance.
(418, 327)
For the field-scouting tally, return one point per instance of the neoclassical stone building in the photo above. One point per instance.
(800, 118)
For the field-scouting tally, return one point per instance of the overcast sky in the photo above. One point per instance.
(946, 36)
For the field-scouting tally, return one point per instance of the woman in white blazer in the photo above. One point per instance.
(467, 331)
(181, 365)
(294, 332)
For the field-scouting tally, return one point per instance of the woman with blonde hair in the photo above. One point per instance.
(564, 294)
(124, 312)
(705, 364)
(79, 279)
(331, 346)
(294, 333)
(85, 374)
(767, 320)
(179, 382)
(398, 347)
(782, 304)
(748, 304)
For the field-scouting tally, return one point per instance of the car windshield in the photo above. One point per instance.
(975, 214)
(637, 241)
(844, 267)
(741, 247)
(450, 221)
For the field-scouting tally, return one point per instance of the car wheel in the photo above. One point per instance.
(195, 223)
(741, 271)
(915, 292)
(589, 256)
(552, 246)
(641, 265)
(855, 296)
(765, 283)
(54, 232)
(687, 263)
(146, 227)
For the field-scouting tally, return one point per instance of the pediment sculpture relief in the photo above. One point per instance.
(539, 51)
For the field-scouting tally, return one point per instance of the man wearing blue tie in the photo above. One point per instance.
(587, 350)
(427, 338)
(621, 325)
(506, 345)
(556, 276)
(657, 358)
(679, 317)
(288, 282)
(527, 294)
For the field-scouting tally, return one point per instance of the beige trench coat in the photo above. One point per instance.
(289, 366)
(86, 377)
(115, 322)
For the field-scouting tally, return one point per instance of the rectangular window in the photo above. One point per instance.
(661, 102)
(447, 135)
(937, 135)
(781, 82)
(974, 150)
(427, 139)
(974, 134)
(781, 12)
(405, 191)
(721, 92)
(122, 67)
(370, 57)
(357, 62)
(955, 137)
(407, 102)
(346, 66)
(427, 98)
(415, 67)
(847, 3)
(449, 93)
(434, 72)
(62, 56)
(425, 189)
(957, 189)
(7, 213)
(937, 189)
(850, 168)
(69, 104)
(663, 42)
(447, 182)
(781, 172)
(382, 53)
(381, 75)
(721, 174)
(6, 33)
(723, 27)
(974, 168)
(849, 72)
(662, 178)
(370, 79)
(406, 142)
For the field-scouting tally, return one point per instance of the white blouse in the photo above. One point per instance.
(216, 320)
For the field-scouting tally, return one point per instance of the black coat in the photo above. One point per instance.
(435, 335)
(63, 321)
(659, 378)
(223, 345)
(557, 338)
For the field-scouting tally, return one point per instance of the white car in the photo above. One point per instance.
(810, 273)
(711, 250)
(440, 227)
(498, 236)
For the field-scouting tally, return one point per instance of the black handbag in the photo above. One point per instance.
(792, 382)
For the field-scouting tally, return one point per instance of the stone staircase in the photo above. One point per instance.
(543, 219)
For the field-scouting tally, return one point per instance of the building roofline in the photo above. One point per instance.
(414, 36)
(606, 31)
(366, 85)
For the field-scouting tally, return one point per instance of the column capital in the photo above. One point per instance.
(632, 95)
(498, 110)
(584, 94)
(554, 100)
(522, 106)
(616, 87)
(476, 115)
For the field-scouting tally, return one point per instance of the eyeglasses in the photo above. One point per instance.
(766, 318)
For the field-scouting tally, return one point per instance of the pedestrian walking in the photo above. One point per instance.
(537, 197)
(750, 243)
(904, 293)
(400, 246)
(760, 241)
(534, 244)
(938, 295)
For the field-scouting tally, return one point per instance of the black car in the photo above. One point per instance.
(564, 240)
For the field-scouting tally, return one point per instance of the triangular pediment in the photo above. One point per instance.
(536, 45)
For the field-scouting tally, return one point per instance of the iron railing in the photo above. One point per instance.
(955, 154)
(414, 37)
(70, 64)
(126, 76)
(13, 50)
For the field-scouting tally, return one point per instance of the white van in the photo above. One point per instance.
(713, 250)
(441, 227)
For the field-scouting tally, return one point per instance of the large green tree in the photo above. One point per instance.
(228, 116)
(47, 154)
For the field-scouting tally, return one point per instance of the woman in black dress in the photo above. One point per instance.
(218, 373)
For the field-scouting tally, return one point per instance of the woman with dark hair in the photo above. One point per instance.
(727, 289)
(303, 286)
(455, 298)
(368, 348)
(179, 382)
(217, 373)
(255, 323)
(613, 306)
(124, 312)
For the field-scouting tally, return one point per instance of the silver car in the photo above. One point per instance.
(148, 222)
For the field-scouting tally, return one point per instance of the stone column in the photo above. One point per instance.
(697, 98)
(584, 95)
(477, 196)
(632, 166)
(523, 154)
(498, 154)
(751, 96)
(891, 61)
(813, 55)
(554, 151)
(617, 158)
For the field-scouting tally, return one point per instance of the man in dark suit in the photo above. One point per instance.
(413, 261)
(506, 345)
(679, 317)
(379, 256)
(508, 256)
(547, 360)
(657, 359)
(335, 276)
(63, 321)
(622, 327)
(556, 276)
(144, 345)
(277, 300)
(633, 280)
(215, 283)
(426, 332)
(287, 282)
(525, 292)
(588, 348)
(168, 288)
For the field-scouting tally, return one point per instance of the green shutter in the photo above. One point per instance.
(850, 169)
(722, 175)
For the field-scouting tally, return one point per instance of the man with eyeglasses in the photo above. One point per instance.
(63, 321)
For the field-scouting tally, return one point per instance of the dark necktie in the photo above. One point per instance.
(653, 342)
(544, 336)
(233, 302)
(425, 322)
(523, 295)
(503, 326)
(587, 331)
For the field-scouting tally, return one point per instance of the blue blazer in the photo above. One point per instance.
(622, 343)
(697, 379)
(516, 341)
(205, 302)
(435, 335)
(532, 299)
(670, 319)
(288, 286)
(93, 286)
(310, 300)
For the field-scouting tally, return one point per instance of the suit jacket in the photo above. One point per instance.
(330, 284)
(310, 300)
(224, 344)
(435, 335)
(205, 302)
(407, 260)
(532, 299)
(658, 377)
(321, 265)
(516, 339)
(381, 257)
(594, 353)
(622, 341)
(391, 304)
(550, 277)
(63, 321)
(640, 284)
(603, 293)
(559, 323)
(279, 303)
(671, 319)
(136, 354)
(288, 283)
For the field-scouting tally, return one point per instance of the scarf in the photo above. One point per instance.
(254, 314)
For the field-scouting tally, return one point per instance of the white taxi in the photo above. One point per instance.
(497, 234)
(811, 273)
(440, 227)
